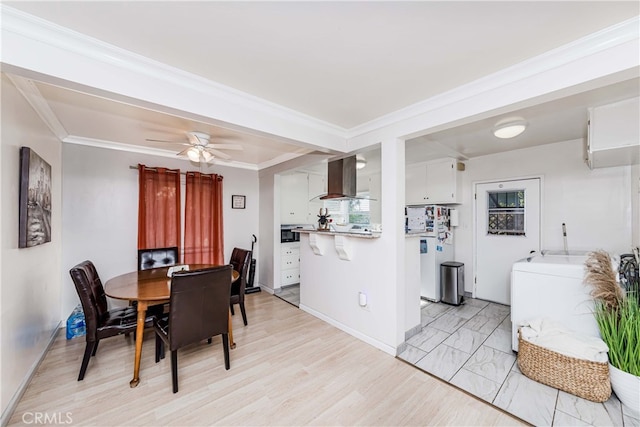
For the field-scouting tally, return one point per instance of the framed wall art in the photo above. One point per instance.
(34, 199)
(238, 202)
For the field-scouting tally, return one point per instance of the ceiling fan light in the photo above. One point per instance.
(509, 128)
(193, 154)
(207, 155)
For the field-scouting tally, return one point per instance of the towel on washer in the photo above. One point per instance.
(549, 334)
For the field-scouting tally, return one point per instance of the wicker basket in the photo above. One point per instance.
(583, 378)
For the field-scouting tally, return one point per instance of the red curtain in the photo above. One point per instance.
(203, 232)
(158, 207)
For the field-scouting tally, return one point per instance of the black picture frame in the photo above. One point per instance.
(34, 204)
(238, 202)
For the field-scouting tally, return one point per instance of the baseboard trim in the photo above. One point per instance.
(413, 331)
(13, 403)
(369, 340)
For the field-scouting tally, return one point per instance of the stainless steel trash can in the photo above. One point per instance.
(452, 282)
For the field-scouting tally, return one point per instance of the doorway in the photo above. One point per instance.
(507, 228)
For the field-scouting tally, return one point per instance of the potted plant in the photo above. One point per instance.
(618, 317)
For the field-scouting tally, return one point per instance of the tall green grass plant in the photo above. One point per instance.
(620, 330)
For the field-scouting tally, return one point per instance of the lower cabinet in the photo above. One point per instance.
(290, 263)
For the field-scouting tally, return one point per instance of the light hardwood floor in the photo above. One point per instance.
(289, 368)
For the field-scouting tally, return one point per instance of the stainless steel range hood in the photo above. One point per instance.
(341, 179)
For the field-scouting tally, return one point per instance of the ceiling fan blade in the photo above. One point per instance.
(183, 152)
(193, 140)
(169, 142)
(236, 147)
(217, 153)
(164, 140)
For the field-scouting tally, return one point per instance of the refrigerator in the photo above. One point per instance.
(436, 246)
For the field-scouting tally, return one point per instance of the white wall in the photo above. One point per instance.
(30, 277)
(596, 205)
(268, 264)
(100, 210)
(330, 288)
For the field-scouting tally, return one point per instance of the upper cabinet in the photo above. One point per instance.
(294, 197)
(298, 192)
(436, 182)
(614, 134)
(317, 187)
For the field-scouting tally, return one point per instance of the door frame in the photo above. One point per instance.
(474, 185)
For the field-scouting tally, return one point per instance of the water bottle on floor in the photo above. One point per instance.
(75, 323)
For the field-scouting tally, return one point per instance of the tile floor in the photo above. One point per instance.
(470, 347)
(290, 294)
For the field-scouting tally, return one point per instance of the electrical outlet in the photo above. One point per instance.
(363, 300)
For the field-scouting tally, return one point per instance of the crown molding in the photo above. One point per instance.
(59, 37)
(110, 145)
(48, 33)
(33, 96)
(608, 38)
(280, 159)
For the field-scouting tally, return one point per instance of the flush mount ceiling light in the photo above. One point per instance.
(360, 162)
(509, 127)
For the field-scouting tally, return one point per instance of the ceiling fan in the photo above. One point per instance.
(200, 149)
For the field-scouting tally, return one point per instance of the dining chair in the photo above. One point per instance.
(240, 260)
(158, 257)
(99, 320)
(198, 311)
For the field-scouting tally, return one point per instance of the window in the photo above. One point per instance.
(506, 213)
(354, 211)
(359, 212)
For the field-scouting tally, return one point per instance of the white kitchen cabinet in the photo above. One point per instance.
(290, 263)
(436, 182)
(317, 186)
(415, 183)
(294, 198)
(614, 134)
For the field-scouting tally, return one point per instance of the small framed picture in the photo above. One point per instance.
(238, 202)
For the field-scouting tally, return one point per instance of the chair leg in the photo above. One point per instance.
(174, 370)
(232, 312)
(225, 347)
(244, 313)
(158, 344)
(85, 360)
(95, 348)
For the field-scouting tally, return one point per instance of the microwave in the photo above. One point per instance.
(287, 235)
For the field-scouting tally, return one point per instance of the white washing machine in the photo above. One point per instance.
(551, 285)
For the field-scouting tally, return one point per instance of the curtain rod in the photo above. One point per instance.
(171, 171)
(156, 169)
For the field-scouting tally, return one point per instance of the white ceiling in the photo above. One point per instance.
(345, 63)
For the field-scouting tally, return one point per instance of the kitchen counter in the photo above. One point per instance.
(358, 234)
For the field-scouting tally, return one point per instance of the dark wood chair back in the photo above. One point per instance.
(100, 322)
(240, 260)
(158, 257)
(198, 311)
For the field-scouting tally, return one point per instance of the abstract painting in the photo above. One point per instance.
(35, 199)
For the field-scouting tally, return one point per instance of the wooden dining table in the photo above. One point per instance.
(149, 287)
